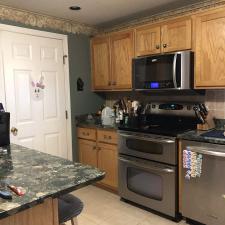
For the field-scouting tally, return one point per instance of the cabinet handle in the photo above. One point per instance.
(105, 137)
(94, 147)
(114, 83)
(157, 46)
(110, 137)
(109, 83)
(87, 134)
(83, 133)
(164, 45)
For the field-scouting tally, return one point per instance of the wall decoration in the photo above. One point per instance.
(158, 17)
(37, 89)
(80, 84)
(44, 21)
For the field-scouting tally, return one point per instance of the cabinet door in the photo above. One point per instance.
(100, 63)
(176, 35)
(107, 161)
(210, 50)
(148, 40)
(122, 52)
(87, 152)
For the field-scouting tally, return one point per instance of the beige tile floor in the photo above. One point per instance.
(104, 208)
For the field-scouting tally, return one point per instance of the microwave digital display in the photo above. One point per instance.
(154, 85)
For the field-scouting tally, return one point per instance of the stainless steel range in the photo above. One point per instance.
(148, 173)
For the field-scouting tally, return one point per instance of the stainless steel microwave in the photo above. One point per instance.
(172, 71)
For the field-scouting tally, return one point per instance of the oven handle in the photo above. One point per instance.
(164, 170)
(206, 151)
(174, 70)
(167, 141)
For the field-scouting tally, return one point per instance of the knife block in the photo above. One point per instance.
(208, 125)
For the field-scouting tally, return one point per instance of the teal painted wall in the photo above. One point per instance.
(79, 64)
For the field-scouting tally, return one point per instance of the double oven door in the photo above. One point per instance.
(148, 171)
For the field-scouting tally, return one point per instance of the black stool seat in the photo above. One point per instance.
(69, 207)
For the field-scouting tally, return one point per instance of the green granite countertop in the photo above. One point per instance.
(41, 175)
(195, 135)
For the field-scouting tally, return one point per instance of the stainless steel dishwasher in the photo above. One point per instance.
(203, 198)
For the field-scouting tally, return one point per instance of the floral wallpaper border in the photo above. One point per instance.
(196, 7)
(44, 21)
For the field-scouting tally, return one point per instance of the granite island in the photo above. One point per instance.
(44, 178)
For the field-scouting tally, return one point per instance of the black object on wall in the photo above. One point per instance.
(80, 84)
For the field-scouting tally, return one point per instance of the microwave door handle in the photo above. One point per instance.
(167, 141)
(206, 151)
(174, 70)
(147, 167)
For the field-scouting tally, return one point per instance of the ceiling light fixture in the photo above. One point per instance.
(76, 8)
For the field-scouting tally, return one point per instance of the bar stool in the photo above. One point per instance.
(69, 207)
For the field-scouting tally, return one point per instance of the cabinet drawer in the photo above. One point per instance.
(107, 136)
(86, 133)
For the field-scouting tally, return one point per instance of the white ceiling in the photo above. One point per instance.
(94, 12)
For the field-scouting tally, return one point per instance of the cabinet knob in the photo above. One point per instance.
(114, 83)
(109, 83)
(94, 147)
(110, 137)
(157, 46)
(164, 45)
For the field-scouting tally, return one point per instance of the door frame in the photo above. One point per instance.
(64, 40)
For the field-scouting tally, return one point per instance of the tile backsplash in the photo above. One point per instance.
(214, 99)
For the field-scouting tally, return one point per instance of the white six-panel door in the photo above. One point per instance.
(39, 117)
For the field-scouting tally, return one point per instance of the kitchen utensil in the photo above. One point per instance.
(17, 190)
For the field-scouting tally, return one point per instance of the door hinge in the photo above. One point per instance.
(64, 59)
(66, 113)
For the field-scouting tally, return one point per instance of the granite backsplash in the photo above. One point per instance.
(214, 99)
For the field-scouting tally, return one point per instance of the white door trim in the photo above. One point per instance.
(64, 39)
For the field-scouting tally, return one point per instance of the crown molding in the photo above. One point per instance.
(37, 20)
(186, 10)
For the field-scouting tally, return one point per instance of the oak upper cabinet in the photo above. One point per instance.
(107, 161)
(176, 35)
(122, 52)
(100, 63)
(87, 152)
(171, 36)
(112, 61)
(210, 50)
(148, 40)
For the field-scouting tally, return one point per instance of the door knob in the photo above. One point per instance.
(14, 131)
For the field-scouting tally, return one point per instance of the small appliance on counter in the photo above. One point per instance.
(4, 127)
(107, 116)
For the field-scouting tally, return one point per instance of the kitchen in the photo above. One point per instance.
(144, 102)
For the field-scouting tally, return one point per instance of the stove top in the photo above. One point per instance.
(157, 129)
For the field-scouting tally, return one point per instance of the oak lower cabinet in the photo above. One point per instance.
(88, 153)
(174, 35)
(107, 161)
(210, 49)
(98, 147)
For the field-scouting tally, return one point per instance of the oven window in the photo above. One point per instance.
(145, 183)
(145, 146)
